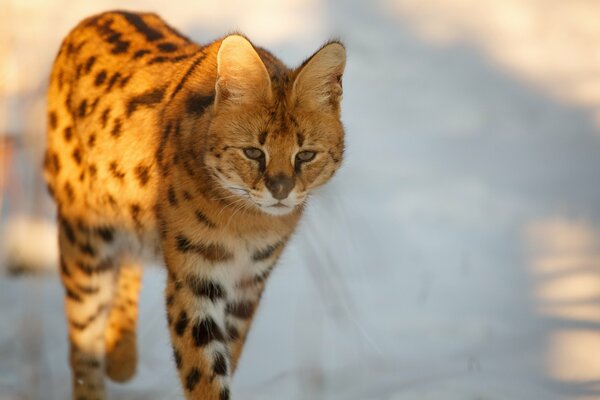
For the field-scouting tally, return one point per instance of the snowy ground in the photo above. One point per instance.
(457, 254)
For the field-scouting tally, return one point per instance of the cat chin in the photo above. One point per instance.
(276, 211)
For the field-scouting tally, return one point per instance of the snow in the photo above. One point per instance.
(455, 256)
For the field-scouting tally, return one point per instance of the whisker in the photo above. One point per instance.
(243, 205)
(234, 203)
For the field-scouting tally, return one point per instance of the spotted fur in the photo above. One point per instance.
(202, 156)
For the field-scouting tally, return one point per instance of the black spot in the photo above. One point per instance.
(116, 130)
(211, 252)
(82, 227)
(89, 64)
(145, 99)
(50, 190)
(86, 248)
(100, 78)
(116, 170)
(196, 103)
(93, 170)
(241, 309)
(61, 79)
(68, 229)
(206, 331)
(82, 108)
(203, 219)
(260, 278)
(224, 395)
(77, 155)
(89, 269)
(107, 233)
(104, 118)
(267, 252)
(262, 138)
(167, 47)
(183, 244)
(72, 295)
(120, 46)
(92, 140)
(68, 99)
(55, 162)
(103, 266)
(300, 139)
(187, 74)
(69, 191)
(181, 324)
(177, 357)
(52, 119)
(114, 37)
(83, 325)
(205, 288)
(124, 81)
(169, 300)
(142, 27)
(163, 59)
(142, 173)
(188, 197)
(220, 364)
(188, 168)
(68, 133)
(232, 332)
(113, 80)
(171, 196)
(52, 163)
(192, 379)
(64, 269)
(140, 53)
(88, 289)
(94, 104)
(135, 210)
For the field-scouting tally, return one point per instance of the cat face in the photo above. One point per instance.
(274, 139)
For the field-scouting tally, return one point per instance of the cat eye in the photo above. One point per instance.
(253, 153)
(305, 156)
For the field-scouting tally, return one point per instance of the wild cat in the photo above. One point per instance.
(202, 155)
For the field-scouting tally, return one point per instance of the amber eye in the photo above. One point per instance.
(253, 153)
(305, 156)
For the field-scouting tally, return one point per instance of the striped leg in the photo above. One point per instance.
(88, 286)
(239, 315)
(121, 346)
(196, 315)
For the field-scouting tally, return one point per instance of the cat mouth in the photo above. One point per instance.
(279, 205)
(278, 208)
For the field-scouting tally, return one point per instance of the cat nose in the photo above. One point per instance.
(280, 185)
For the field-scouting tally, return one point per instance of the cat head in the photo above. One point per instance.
(275, 134)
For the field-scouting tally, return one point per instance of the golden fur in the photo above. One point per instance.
(201, 155)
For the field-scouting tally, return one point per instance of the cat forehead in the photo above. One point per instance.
(283, 118)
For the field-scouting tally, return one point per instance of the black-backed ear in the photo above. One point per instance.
(319, 82)
(241, 75)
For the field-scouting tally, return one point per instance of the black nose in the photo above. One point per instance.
(280, 185)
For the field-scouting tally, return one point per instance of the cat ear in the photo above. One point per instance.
(241, 75)
(319, 82)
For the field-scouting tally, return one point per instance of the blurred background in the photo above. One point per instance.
(455, 256)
